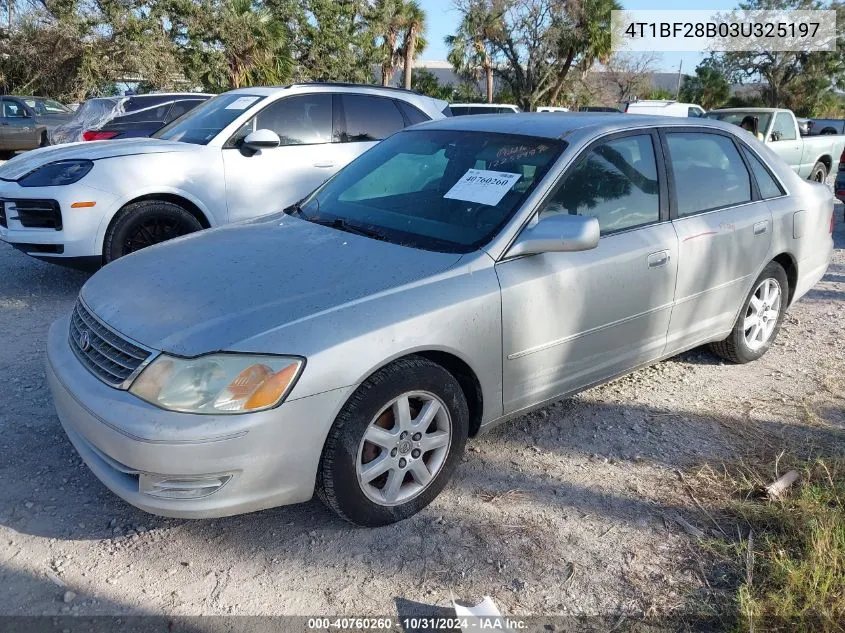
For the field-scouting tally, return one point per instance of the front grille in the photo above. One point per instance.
(105, 353)
(39, 214)
(3, 222)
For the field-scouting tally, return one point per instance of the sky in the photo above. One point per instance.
(443, 18)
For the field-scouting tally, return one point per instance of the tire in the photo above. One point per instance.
(142, 224)
(346, 452)
(45, 141)
(819, 173)
(739, 348)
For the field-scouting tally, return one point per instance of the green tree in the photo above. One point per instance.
(709, 87)
(795, 79)
(538, 42)
(387, 22)
(413, 40)
(470, 49)
(426, 83)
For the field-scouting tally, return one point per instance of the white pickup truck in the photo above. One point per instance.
(811, 157)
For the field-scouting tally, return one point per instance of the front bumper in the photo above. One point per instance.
(77, 236)
(272, 456)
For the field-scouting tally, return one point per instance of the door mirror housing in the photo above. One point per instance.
(561, 233)
(262, 139)
(776, 135)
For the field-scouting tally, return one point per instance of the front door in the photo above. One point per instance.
(269, 180)
(572, 319)
(17, 126)
(784, 140)
(724, 233)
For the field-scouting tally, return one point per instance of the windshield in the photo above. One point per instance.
(206, 121)
(736, 117)
(433, 189)
(46, 106)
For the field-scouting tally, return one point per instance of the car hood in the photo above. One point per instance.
(212, 290)
(92, 150)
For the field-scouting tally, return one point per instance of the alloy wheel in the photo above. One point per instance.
(404, 448)
(762, 314)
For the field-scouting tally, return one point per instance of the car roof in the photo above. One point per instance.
(567, 123)
(747, 110)
(482, 105)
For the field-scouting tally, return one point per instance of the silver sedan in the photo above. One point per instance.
(458, 274)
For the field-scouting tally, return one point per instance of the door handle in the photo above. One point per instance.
(324, 164)
(761, 227)
(658, 259)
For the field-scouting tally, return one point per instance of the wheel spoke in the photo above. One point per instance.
(402, 413)
(420, 472)
(394, 483)
(756, 304)
(430, 441)
(751, 321)
(376, 468)
(426, 415)
(380, 437)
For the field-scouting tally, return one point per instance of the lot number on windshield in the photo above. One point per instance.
(483, 186)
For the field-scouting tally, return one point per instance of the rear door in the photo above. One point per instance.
(724, 232)
(271, 179)
(571, 319)
(365, 120)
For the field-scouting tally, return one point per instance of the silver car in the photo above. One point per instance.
(460, 273)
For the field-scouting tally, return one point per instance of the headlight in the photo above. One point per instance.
(217, 383)
(62, 172)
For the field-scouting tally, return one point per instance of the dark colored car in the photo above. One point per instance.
(137, 116)
(25, 122)
(598, 109)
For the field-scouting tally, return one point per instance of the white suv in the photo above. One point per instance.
(243, 154)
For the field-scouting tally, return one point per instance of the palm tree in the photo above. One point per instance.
(387, 19)
(413, 43)
(587, 33)
(254, 44)
(469, 49)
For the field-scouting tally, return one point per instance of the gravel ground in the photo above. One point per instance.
(570, 510)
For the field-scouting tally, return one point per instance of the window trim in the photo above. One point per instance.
(229, 145)
(784, 191)
(673, 199)
(342, 131)
(662, 193)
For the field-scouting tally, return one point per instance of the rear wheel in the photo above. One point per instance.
(142, 224)
(395, 444)
(819, 173)
(45, 141)
(760, 318)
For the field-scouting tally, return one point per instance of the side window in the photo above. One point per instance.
(370, 118)
(708, 170)
(768, 186)
(298, 120)
(13, 110)
(695, 112)
(784, 128)
(413, 114)
(615, 182)
(181, 107)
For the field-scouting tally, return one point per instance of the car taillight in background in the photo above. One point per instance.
(94, 135)
(842, 160)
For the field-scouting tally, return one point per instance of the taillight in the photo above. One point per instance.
(94, 135)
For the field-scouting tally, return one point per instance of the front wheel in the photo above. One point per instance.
(145, 223)
(760, 318)
(395, 444)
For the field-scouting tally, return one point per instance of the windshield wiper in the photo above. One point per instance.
(343, 225)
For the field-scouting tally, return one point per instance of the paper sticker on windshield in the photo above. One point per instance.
(242, 103)
(483, 186)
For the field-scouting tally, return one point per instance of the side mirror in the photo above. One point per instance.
(775, 135)
(262, 139)
(558, 234)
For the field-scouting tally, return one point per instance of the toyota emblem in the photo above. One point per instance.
(84, 341)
